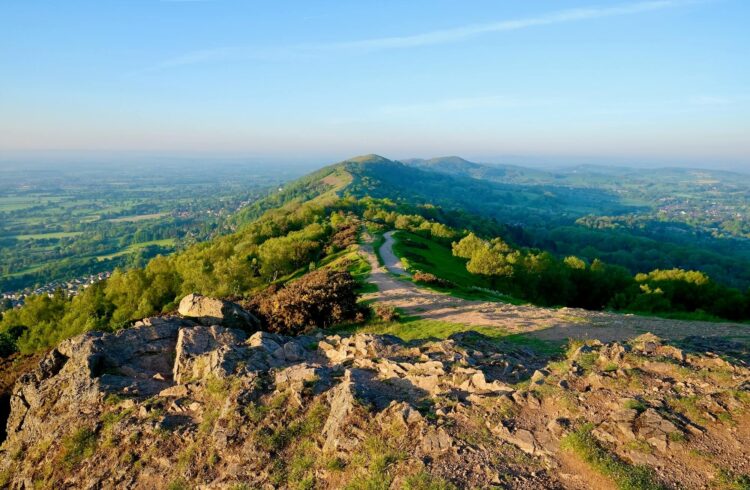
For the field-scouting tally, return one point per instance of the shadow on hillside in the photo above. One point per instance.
(731, 350)
(728, 347)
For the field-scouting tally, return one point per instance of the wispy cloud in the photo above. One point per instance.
(442, 36)
(460, 33)
(462, 104)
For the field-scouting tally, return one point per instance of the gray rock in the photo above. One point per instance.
(539, 376)
(211, 311)
(655, 429)
(521, 438)
(206, 351)
(436, 441)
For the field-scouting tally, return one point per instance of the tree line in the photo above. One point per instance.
(285, 240)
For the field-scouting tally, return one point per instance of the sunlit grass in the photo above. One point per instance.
(414, 328)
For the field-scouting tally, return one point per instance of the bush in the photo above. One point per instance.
(344, 237)
(384, 312)
(319, 299)
(7, 345)
(431, 279)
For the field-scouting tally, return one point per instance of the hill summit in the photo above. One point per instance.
(182, 402)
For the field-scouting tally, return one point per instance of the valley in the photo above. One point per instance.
(58, 225)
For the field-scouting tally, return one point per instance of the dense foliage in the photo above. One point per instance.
(669, 218)
(293, 233)
(270, 249)
(544, 279)
(320, 299)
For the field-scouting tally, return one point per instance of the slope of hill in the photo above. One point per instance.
(176, 403)
(446, 392)
(638, 220)
(457, 166)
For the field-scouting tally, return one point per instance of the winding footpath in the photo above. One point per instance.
(540, 322)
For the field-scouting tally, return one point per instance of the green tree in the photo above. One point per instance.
(468, 246)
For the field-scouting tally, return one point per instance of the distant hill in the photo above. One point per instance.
(453, 165)
(642, 219)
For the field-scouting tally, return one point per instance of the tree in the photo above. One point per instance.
(468, 246)
(488, 262)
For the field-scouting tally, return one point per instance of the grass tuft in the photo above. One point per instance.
(78, 446)
(627, 477)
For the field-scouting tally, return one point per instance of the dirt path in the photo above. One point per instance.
(544, 323)
(390, 261)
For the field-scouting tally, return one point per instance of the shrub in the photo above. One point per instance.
(432, 279)
(319, 299)
(7, 345)
(344, 237)
(384, 312)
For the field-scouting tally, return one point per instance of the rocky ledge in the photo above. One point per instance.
(183, 403)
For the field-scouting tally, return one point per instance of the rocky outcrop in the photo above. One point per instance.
(213, 311)
(173, 401)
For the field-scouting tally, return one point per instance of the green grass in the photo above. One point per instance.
(414, 328)
(635, 405)
(732, 481)
(425, 481)
(625, 476)
(376, 456)
(438, 259)
(17, 203)
(136, 218)
(78, 446)
(27, 271)
(167, 242)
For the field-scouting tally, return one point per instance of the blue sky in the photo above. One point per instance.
(649, 81)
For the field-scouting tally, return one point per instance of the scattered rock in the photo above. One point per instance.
(240, 401)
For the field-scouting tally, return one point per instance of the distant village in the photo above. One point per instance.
(71, 288)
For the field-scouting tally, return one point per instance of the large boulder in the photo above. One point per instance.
(207, 351)
(213, 311)
(72, 379)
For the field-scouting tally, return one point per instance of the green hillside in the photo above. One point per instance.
(514, 239)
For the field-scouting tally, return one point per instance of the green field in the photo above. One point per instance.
(167, 242)
(48, 236)
(136, 218)
(435, 258)
(60, 223)
(16, 203)
(29, 270)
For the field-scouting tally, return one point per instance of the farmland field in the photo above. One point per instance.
(59, 224)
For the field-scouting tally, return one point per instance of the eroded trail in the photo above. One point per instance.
(544, 323)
